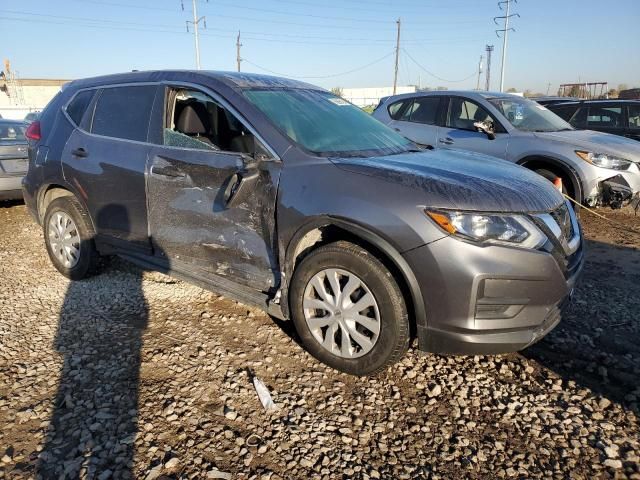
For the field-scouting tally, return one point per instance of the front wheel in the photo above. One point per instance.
(348, 309)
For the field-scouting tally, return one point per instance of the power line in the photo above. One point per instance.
(433, 74)
(321, 76)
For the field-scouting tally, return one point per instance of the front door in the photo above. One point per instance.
(458, 130)
(212, 192)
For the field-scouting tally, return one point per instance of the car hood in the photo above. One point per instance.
(597, 142)
(462, 180)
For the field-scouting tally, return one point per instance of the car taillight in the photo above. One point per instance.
(33, 131)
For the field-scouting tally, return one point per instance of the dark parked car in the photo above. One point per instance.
(282, 195)
(546, 101)
(13, 158)
(619, 117)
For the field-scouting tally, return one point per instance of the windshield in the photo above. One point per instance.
(529, 116)
(11, 132)
(327, 125)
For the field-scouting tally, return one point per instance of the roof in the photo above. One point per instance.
(238, 80)
(600, 101)
(477, 94)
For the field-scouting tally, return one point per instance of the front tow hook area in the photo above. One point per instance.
(614, 192)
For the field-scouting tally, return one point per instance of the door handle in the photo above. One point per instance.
(446, 141)
(169, 171)
(80, 152)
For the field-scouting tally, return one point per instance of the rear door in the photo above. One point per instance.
(105, 161)
(458, 130)
(416, 119)
(212, 189)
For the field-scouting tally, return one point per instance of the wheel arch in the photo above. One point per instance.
(323, 230)
(534, 162)
(48, 193)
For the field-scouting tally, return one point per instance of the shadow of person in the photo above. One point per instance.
(94, 423)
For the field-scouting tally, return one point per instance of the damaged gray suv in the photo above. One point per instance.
(281, 195)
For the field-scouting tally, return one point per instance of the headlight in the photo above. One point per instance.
(513, 230)
(604, 160)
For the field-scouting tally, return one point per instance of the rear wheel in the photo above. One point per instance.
(348, 309)
(68, 235)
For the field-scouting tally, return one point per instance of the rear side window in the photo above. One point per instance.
(634, 117)
(424, 110)
(79, 105)
(124, 112)
(605, 117)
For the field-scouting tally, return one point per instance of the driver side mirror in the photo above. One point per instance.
(487, 128)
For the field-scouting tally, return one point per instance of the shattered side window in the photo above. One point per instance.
(326, 124)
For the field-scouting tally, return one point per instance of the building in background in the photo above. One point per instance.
(363, 97)
(19, 96)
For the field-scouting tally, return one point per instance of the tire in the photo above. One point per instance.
(83, 263)
(386, 313)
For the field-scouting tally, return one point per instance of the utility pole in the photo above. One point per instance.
(489, 49)
(505, 34)
(196, 21)
(548, 87)
(395, 74)
(479, 73)
(238, 45)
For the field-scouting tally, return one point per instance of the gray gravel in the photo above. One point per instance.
(134, 375)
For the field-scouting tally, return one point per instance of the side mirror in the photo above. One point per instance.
(486, 128)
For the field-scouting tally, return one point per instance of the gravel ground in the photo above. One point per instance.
(134, 375)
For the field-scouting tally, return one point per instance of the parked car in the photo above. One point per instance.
(595, 168)
(282, 195)
(13, 158)
(619, 117)
(546, 101)
(31, 116)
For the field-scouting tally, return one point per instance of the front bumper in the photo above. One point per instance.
(612, 188)
(11, 187)
(489, 300)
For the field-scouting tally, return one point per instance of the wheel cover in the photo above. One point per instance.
(64, 239)
(341, 313)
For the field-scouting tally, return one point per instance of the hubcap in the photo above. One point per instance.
(341, 313)
(64, 239)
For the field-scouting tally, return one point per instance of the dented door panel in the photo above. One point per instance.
(192, 222)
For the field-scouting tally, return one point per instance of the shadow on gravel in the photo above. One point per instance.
(597, 344)
(10, 203)
(93, 427)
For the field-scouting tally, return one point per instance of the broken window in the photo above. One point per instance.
(195, 120)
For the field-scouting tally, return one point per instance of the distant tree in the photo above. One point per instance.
(337, 91)
(575, 91)
(528, 93)
(423, 89)
(623, 86)
(612, 93)
(512, 90)
(441, 88)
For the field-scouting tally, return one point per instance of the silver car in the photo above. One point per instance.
(595, 168)
(13, 158)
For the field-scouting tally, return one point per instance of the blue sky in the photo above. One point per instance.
(555, 41)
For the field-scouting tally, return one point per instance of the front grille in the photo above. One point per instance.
(563, 219)
(558, 227)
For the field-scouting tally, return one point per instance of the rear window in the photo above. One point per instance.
(11, 132)
(78, 105)
(124, 112)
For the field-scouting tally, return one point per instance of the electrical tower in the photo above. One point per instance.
(505, 34)
(489, 49)
(479, 73)
(196, 21)
(13, 84)
(238, 45)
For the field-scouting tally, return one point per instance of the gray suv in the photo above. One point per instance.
(596, 168)
(281, 195)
